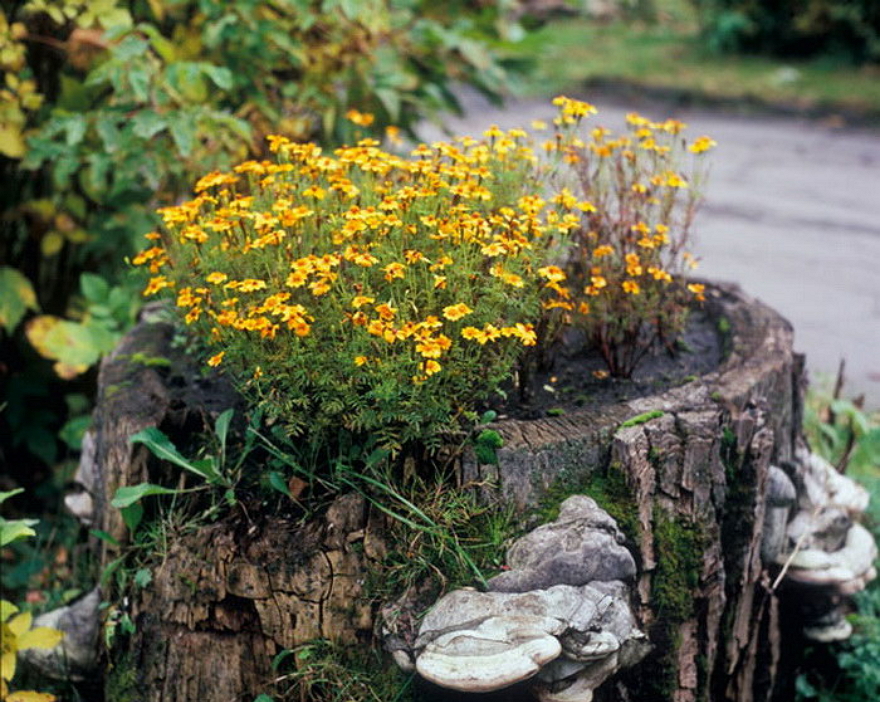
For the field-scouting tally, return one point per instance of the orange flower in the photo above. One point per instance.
(216, 359)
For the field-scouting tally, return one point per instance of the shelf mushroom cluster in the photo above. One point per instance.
(560, 614)
(811, 532)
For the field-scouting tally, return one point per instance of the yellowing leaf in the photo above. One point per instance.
(20, 623)
(40, 637)
(68, 371)
(75, 346)
(16, 297)
(30, 696)
(11, 141)
(7, 609)
(51, 244)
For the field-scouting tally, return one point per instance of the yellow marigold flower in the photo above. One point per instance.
(152, 236)
(193, 315)
(557, 304)
(362, 119)
(601, 251)
(631, 287)
(386, 312)
(598, 281)
(214, 179)
(456, 312)
(216, 359)
(697, 289)
(639, 188)
(320, 287)
(702, 144)
(431, 367)
(296, 279)
(659, 274)
(439, 282)
(361, 300)
(258, 373)
(147, 255)
(647, 242)
(360, 360)
(565, 199)
(584, 308)
(539, 125)
(315, 191)
(493, 132)
(392, 133)
(156, 284)
(412, 256)
(394, 270)
(552, 273)
(216, 278)
(276, 142)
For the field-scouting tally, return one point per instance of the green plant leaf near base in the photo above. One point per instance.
(128, 495)
(161, 446)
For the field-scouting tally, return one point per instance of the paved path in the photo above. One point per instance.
(792, 213)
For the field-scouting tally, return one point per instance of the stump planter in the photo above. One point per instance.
(684, 471)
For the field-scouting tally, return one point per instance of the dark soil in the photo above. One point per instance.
(574, 381)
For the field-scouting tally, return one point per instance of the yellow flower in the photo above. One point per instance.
(361, 300)
(216, 359)
(386, 312)
(432, 367)
(392, 133)
(631, 287)
(702, 144)
(456, 312)
(601, 251)
(697, 289)
(394, 270)
(362, 119)
(216, 278)
(156, 284)
(360, 360)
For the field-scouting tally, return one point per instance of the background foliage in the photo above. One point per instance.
(846, 28)
(110, 108)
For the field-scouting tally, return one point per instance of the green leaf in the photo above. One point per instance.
(161, 446)
(129, 494)
(73, 431)
(263, 698)
(277, 481)
(183, 132)
(104, 536)
(221, 75)
(221, 426)
(146, 124)
(143, 577)
(139, 80)
(187, 79)
(75, 126)
(280, 657)
(132, 516)
(10, 493)
(15, 529)
(16, 297)
(94, 287)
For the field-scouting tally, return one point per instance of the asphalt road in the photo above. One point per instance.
(792, 214)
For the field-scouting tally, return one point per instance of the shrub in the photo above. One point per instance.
(794, 27)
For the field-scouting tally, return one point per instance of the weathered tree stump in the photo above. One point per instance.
(227, 596)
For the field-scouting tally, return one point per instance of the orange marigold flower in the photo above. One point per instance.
(431, 367)
(697, 289)
(216, 359)
(601, 251)
(631, 287)
(216, 278)
(156, 284)
(360, 360)
(362, 119)
(702, 144)
(386, 312)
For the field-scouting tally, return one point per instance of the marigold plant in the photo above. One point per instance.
(360, 289)
(387, 295)
(636, 196)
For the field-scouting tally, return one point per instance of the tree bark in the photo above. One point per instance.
(227, 597)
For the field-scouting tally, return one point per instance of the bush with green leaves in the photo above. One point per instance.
(846, 28)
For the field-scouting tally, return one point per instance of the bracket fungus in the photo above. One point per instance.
(548, 618)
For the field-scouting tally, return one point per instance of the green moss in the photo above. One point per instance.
(121, 682)
(679, 548)
(642, 418)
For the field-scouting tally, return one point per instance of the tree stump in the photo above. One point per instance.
(692, 463)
